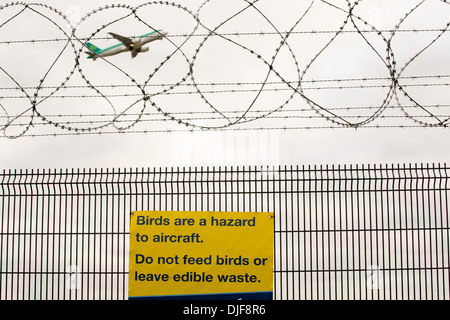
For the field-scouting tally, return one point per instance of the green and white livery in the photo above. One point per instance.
(134, 46)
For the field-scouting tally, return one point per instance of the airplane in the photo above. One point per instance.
(127, 44)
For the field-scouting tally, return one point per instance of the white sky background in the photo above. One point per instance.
(221, 62)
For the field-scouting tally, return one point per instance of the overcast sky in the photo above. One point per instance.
(226, 63)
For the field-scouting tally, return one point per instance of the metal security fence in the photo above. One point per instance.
(341, 232)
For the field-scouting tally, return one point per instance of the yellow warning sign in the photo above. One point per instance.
(195, 255)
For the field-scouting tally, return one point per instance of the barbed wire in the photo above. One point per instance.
(234, 34)
(237, 88)
(29, 110)
(242, 84)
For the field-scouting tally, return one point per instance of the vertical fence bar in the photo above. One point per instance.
(418, 269)
(411, 248)
(447, 242)
(436, 230)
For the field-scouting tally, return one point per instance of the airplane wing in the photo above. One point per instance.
(126, 41)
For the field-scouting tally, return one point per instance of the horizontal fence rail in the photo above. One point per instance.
(340, 232)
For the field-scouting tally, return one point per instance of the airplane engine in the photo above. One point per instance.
(144, 49)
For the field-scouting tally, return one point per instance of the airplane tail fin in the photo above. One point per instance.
(93, 48)
(95, 51)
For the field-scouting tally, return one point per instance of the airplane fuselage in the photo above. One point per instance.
(135, 47)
